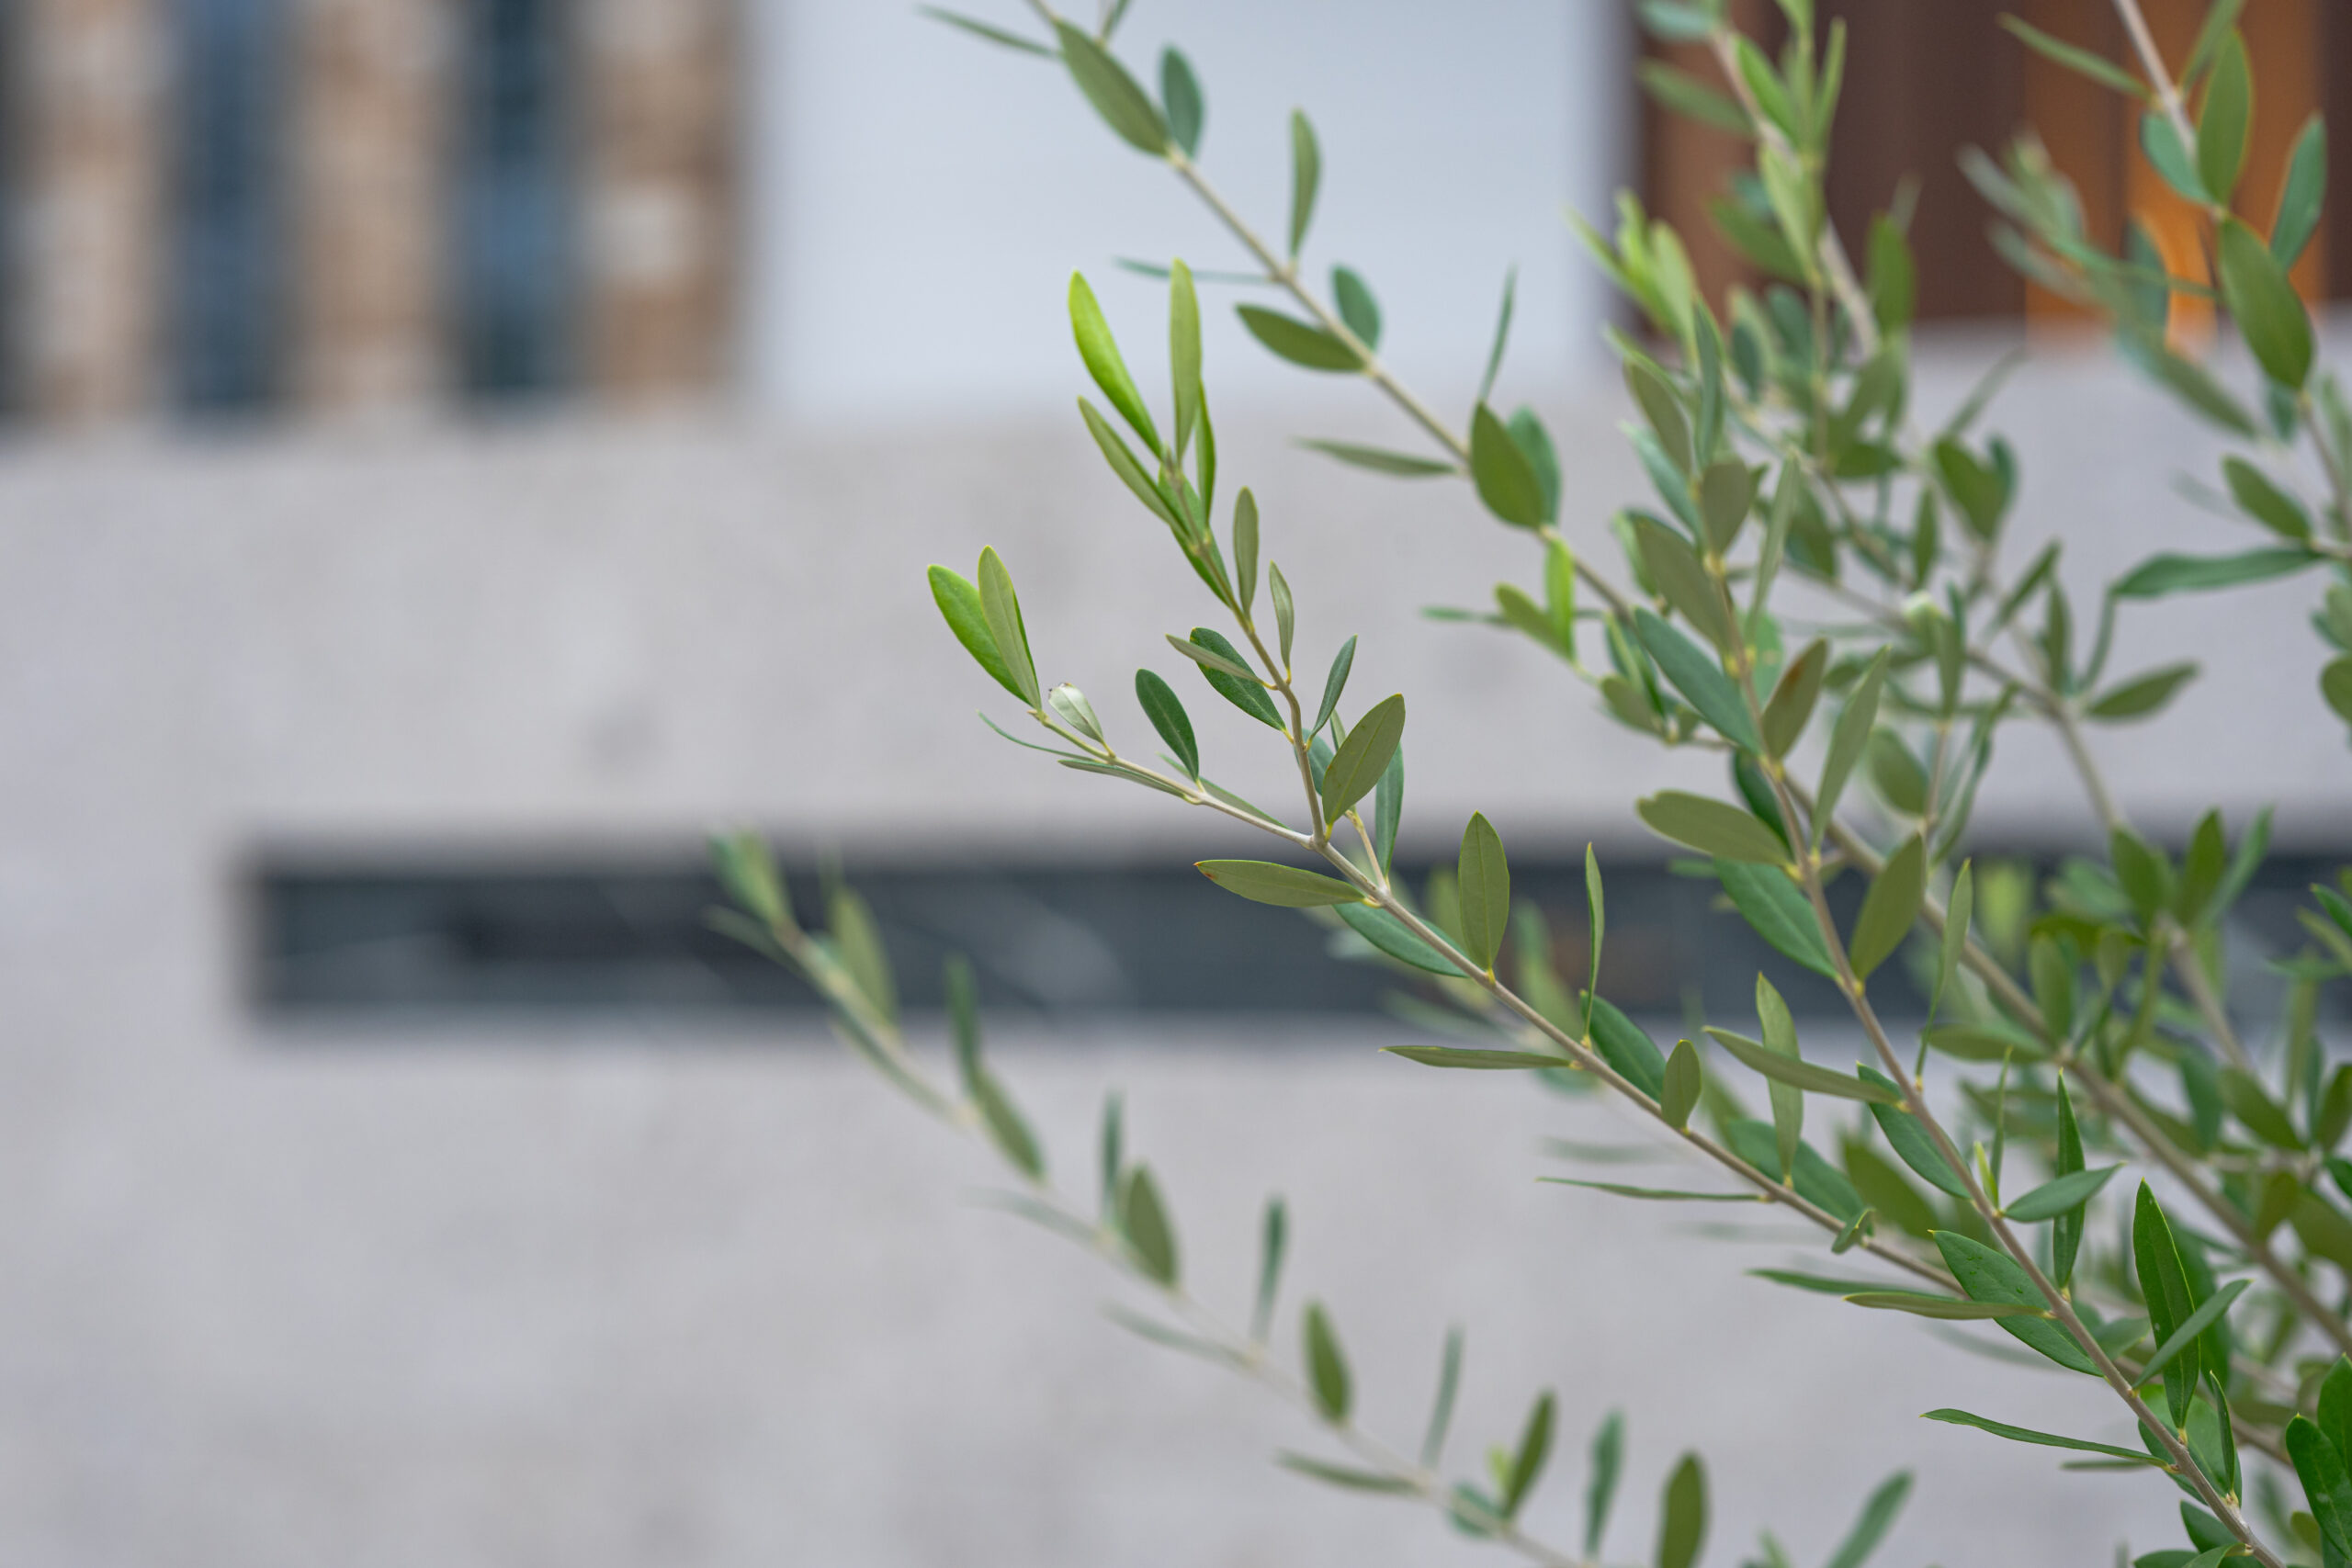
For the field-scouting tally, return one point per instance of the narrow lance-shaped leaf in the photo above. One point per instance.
(1846, 739)
(1184, 352)
(1506, 482)
(1274, 1240)
(2171, 158)
(1245, 548)
(1683, 1514)
(2067, 1231)
(1474, 1058)
(1244, 692)
(1712, 827)
(1502, 335)
(2059, 1195)
(1876, 1518)
(858, 942)
(1359, 311)
(1685, 1080)
(1601, 1488)
(1005, 1126)
(1392, 936)
(2141, 696)
(1987, 1275)
(1304, 343)
(1265, 882)
(2215, 1306)
(1113, 1152)
(2164, 1286)
(1381, 460)
(1950, 1309)
(1799, 1074)
(1388, 810)
(1161, 704)
(1792, 705)
(1002, 608)
(1124, 463)
(1483, 879)
(1780, 1032)
(1909, 1139)
(1534, 443)
(2082, 61)
(2260, 497)
(748, 873)
(1769, 899)
(1211, 659)
(1959, 910)
(1286, 611)
(1890, 908)
(1535, 1449)
(2302, 196)
(1180, 92)
(1100, 350)
(959, 605)
(2264, 303)
(1143, 1225)
(1347, 1477)
(2320, 1468)
(1333, 684)
(1449, 1381)
(1327, 1366)
(2335, 1404)
(2041, 1440)
(1305, 177)
(1596, 911)
(1699, 677)
(2224, 119)
(1356, 767)
(1125, 106)
(984, 32)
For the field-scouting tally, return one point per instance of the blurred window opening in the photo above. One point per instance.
(1923, 81)
(514, 275)
(344, 941)
(228, 277)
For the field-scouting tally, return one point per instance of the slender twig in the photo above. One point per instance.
(2151, 62)
(2116, 1103)
(2060, 1307)
(2183, 1465)
(1578, 1051)
(1241, 1352)
(1283, 272)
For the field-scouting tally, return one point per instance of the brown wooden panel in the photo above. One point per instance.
(1924, 78)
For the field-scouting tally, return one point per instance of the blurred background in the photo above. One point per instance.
(454, 453)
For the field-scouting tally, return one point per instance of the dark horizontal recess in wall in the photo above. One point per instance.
(404, 943)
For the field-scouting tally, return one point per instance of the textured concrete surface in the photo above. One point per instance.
(635, 1300)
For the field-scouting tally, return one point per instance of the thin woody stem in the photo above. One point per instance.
(2116, 1103)
(1283, 271)
(1581, 1053)
(2151, 61)
(2060, 1307)
(1241, 1352)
